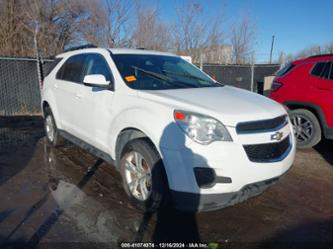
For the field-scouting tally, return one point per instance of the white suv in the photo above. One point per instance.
(174, 133)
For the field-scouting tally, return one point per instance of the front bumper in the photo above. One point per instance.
(191, 202)
(229, 160)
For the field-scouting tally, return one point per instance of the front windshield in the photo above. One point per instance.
(158, 72)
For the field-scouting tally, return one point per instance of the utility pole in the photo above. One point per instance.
(270, 56)
(252, 71)
(38, 59)
(201, 59)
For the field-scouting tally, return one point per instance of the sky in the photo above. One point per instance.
(296, 24)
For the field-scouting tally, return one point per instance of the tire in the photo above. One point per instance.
(307, 128)
(145, 185)
(51, 131)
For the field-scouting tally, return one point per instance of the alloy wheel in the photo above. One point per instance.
(303, 128)
(138, 176)
(49, 126)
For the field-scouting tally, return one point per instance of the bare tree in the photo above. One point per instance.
(189, 29)
(60, 23)
(309, 51)
(215, 50)
(109, 23)
(150, 32)
(329, 48)
(197, 33)
(95, 27)
(14, 39)
(118, 15)
(242, 40)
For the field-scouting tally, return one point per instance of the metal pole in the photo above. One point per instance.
(270, 56)
(39, 60)
(201, 59)
(252, 72)
(37, 55)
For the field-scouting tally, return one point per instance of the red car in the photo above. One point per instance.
(306, 87)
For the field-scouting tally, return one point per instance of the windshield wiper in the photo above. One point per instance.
(164, 78)
(186, 75)
(153, 74)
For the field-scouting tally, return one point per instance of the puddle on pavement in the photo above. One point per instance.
(52, 191)
(80, 199)
(67, 195)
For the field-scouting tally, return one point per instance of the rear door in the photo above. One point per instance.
(68, 79)
(325, 81)
(324, 91)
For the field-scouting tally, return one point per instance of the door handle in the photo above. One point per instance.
(78, 95)
(55, 85)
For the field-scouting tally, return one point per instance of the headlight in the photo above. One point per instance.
(202, 129)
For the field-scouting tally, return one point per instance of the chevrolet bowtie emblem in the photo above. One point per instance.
(277, 136)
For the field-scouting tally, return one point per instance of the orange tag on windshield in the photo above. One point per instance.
(130, 78)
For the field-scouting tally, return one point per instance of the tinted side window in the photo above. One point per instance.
(72, 70)
(50, 66)
(318, 68)
(326, 70)
(331, 74)
(96, 64)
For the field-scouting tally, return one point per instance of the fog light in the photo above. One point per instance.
(205, 177)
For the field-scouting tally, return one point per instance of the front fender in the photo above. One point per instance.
(136, 118)
(158, 126)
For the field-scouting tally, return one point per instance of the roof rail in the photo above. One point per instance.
(320, 55)
(80, 47)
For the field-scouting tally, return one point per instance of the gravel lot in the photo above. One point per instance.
(66, 198)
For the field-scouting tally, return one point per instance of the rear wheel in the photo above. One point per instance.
(306, 128)
(143, 175)
(51, 131)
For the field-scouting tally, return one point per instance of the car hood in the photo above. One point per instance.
(228, 104)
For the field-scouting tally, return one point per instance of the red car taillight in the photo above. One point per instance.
(276, 85)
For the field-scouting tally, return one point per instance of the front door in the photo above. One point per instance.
(95, 112)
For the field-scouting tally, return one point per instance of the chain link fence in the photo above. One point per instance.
(20, 94)
(19, 86)
(243, 76)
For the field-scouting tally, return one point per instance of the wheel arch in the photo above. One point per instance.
(45, 105)
(54, 111)
(315, 109)
(129, 134)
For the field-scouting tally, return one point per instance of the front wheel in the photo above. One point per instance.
(306, 128)
(143, 175)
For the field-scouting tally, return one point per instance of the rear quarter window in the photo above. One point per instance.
(326, 72)
(318, 69)
(49, 66)
(285, 70)
(72, 69)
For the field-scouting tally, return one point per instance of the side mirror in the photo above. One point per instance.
(97, 80)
